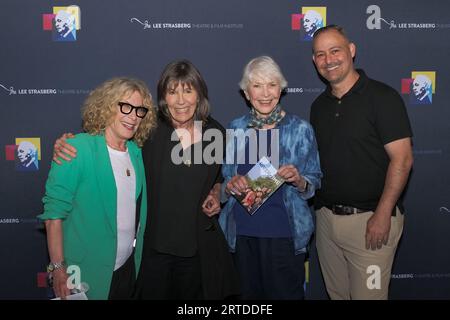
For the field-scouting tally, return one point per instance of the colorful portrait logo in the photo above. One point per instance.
(63, 22)
(420, 87)
(26, 153)
(309, 21)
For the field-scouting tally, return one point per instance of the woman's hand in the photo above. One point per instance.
(61, 149)
(236, 185)
(211, 205)
(291, 175)
(60, 283)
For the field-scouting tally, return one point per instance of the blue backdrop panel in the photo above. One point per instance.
(43, 83)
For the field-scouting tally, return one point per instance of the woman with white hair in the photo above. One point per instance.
(270, 245)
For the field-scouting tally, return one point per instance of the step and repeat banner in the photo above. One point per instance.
(52, 53)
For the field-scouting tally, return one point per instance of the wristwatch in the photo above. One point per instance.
(52, 266)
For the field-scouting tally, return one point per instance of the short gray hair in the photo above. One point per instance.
(263, 66)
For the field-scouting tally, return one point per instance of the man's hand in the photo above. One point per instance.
(61, 149)
(401, 160)
(377, 230)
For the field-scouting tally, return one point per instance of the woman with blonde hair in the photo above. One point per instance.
(95, 205)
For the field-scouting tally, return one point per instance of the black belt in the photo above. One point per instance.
(342, 210)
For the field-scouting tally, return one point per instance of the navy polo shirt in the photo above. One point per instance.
(351, 133)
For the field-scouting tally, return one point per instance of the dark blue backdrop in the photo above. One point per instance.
(43, 83)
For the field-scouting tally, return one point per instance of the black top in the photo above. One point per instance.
(351, 133)
(172, 224)
(219, 277)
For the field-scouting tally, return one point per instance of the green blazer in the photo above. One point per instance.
(82, 193)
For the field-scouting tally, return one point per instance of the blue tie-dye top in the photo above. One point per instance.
(297, 147)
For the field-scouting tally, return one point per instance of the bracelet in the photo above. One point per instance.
(306, 185)
(52, 266)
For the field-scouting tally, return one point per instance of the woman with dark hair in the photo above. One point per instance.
(185, 253)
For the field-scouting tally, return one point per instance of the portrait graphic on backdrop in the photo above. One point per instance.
(26, 153)
(63, 22)
(420, 87)
(309, 21)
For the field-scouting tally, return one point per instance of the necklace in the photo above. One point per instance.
(120, 160)
(188, 137)
(185, 143)
(187, 162)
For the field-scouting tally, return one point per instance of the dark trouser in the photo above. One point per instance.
(269, 269)
(168, 277)
(123, 281)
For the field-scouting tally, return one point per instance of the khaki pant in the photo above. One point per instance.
(350, 270)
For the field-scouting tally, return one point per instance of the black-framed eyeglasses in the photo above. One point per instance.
(127, 108)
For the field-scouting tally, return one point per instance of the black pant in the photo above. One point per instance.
(269, 269)
(123, 281)
(168, 277)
